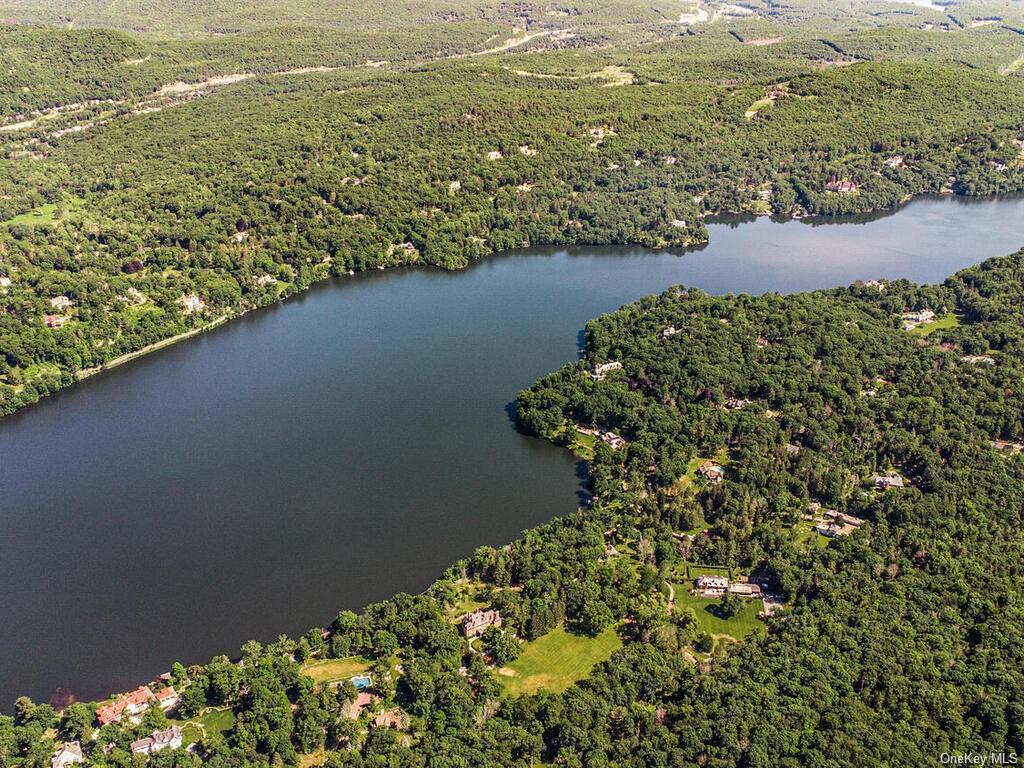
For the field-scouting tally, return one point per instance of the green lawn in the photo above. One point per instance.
(332, 670)
(44, 214)
(212, 721)
(944, 323)
(804, 533)
(38, 370)
(557, 660)
(741, 625)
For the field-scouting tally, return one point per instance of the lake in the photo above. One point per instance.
(350, 442)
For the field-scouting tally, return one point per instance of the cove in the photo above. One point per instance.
(350, 442)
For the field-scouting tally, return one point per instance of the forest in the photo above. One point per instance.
(350, 162)
(166, 169)
(896, 643)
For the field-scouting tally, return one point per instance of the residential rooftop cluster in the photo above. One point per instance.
(719, 586)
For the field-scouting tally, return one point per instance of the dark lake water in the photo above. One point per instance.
(349, 443)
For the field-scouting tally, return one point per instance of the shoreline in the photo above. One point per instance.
(696, 245)
(85, 373)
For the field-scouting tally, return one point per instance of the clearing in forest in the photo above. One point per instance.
(557, 660)
(333, 670)
(611, 76)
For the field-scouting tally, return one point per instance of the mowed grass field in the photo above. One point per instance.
(741, 625)
(557, 660)
(331, 670)
(210, 722)
(944, 323)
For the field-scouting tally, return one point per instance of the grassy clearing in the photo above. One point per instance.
(44, 214)
(557, 660)
(212, 721)
(467, 601)
(332, 670)
(689, 477)
(39, 370)
(804, 534)
(743, 624)
(756, 107)
(944, 323)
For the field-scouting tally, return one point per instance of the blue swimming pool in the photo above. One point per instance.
(362, 681)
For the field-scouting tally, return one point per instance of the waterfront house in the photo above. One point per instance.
(603, 369)
(843, 187)
(878, 285)
(191, 303)
(167, 698)
(69, 753)
(474, 624)
(615, 442)
(110, 713)
(169, 738)
(892, 480)
(138, 701)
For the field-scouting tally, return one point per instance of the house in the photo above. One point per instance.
(494, 155)
(167, 698)
(610, 550)
(745, 589)
(612, 440)
(829, 529)
(391, 718)
(978, 359)
(735, 403)
(843, 187)
(896, 161)
(61, 302)
(792, 449)
(55, 321)
(5, 282)
(713, 473)
(138, 701)
(892, 480)
(667, 333)
(603, 369)
(110, 713)
(761, 342)
(474, 624)
(712, 586)
(169, 738)
(191, 303)
(878, 285)
(913, 319)
(69, 753)
(364, 700)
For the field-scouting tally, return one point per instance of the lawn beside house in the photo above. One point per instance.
(743, 624)
(944, 323)
(557, 660)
